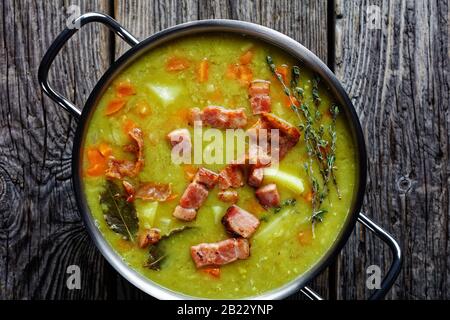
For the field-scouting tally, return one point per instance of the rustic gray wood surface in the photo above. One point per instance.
(397, 75)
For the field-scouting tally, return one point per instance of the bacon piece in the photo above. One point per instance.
(129, 189)
(185, 214)
(219, 117)
(268, 195)
(239, 222)
(194, 196)
(149, 237)
(228, 195)
(206, 177)
(259, 96)
(231, 177)
(260, 104)
(154, 191)
(288, 134)
(137, 135)
(118, 169)
(180, 136)
(255, 177)
(195, 116)
(220, 253)
(259, 87)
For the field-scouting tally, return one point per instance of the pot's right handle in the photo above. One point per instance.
(397, 257)
(59, 42)
(394, 270)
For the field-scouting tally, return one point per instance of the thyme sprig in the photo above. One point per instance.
(319, 149)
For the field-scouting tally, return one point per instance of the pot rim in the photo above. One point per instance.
(261, 33)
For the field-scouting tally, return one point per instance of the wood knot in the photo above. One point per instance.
(404, 184)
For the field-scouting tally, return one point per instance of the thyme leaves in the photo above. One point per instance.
(320, 142)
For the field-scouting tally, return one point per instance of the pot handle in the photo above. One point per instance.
(394, 270)
(60, 41)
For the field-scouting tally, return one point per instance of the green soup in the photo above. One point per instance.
(155, 94)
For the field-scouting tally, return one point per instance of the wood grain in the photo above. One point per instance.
(398, 79)
(305, 21)
(41, 232)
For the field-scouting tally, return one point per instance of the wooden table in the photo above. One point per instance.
(396, 73)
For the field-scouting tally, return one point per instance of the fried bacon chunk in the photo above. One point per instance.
(231, 177)
(259, 96)
(152, 191)
(288, 134)
(240, 222)
(268, 196)
(206, 177)
(119, 169)
(220, 117)
(220, 253)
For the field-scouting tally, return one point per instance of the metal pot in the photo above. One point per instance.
(138, 48)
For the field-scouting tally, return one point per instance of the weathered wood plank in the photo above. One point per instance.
(41, 232)
(305, 21)
(398, 79)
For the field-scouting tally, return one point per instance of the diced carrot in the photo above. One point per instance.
(189, 171)
(96, 170)
(288, 101)
(177, 64)
(215, 272)
(246, 58)
(94, 156)
(308, 196)
(232, 71)
(114, 106)
(97, 162)
(128, 126)
(105, 149)
(203, 71)
(282, 71)
(142, 108)
(245, 74)
(305, 237)
(125, 88)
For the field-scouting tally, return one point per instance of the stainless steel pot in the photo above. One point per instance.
(138, 48)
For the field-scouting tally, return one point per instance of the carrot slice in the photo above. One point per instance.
(308, 196)
(94, 156)
(288, 101)
(97, 162)
(129, 125)
(245, 74)
(177, 64)
(282, 71)
(125, 88)
(232, 71)
(203, 71)
(96, 170)
(105, 149)
(114, 106)
(246, 58)
(215, 272)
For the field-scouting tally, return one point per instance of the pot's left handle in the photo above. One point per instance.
(59, 42)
